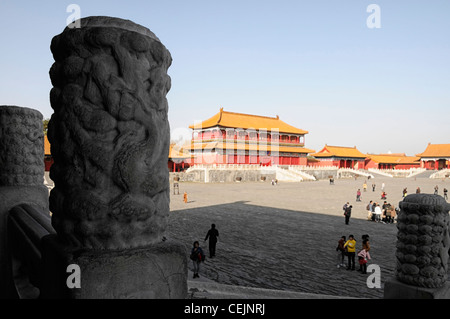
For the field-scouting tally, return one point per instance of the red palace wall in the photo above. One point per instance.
(214, 158)
(356, 163)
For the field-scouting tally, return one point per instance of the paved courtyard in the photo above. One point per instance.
(284, 237)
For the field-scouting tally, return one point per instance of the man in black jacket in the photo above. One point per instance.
(212, 234)
(348, 213)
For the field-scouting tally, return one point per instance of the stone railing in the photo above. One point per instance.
(27, 226)
(21, 178)
(227, 166)
(409, 172)
(285, 174)
(355, 172)
(304, 175)
(415, 171)
(315, 168)
(380, 172)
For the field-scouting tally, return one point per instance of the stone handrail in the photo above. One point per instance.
(380, 172)
(27, 225)
(21, 177)
(286, 175)
(298, 170)
(324, 168)
(225, 167)
(358, 172)
(441, 174)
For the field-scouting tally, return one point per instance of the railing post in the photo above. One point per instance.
(423, 245)
(110, 142)
(21, 176)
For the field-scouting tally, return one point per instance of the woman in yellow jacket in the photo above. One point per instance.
(350, 244)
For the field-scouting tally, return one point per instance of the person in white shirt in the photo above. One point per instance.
(377, 212)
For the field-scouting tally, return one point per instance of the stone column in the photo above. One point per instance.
(110, 142)
(422, 249)
(21, 176)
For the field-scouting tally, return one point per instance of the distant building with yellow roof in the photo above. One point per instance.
(435, 156)
(48, 159)
(339, 156)
(237, 138)
(392, 161)
(179, 158)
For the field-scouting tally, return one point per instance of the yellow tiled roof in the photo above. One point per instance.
(247, 121)
(339, 151)
(436, 150)
(394, 159)
(179, 152)
(250, 147)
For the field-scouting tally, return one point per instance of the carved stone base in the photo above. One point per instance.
(394, 289)
(158, 271)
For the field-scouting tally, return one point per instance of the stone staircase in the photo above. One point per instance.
(204, 288)
(304, 175)
(443, 173)
(354, 172)
(426, 174)
(286, 175)
(376, 172)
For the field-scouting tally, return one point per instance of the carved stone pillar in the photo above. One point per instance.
(110, 141)
(21, 176)
(422, 249)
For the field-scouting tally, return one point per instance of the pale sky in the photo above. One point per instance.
(316, 64)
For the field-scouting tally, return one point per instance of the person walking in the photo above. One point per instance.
(365, 187)
(348, 214)
(197, 257)
(436, 190)
(351, 248)
(358, 195)
(345, 206)
(185, 198)
(445, 194)
(212, 234)
(341, 252)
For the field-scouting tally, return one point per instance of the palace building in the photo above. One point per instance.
(392, 161)
(48, 159)
(179, 158)
(435, 156)
(237, 138)
(339, 156)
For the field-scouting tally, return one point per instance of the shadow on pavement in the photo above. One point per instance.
(283, 249)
